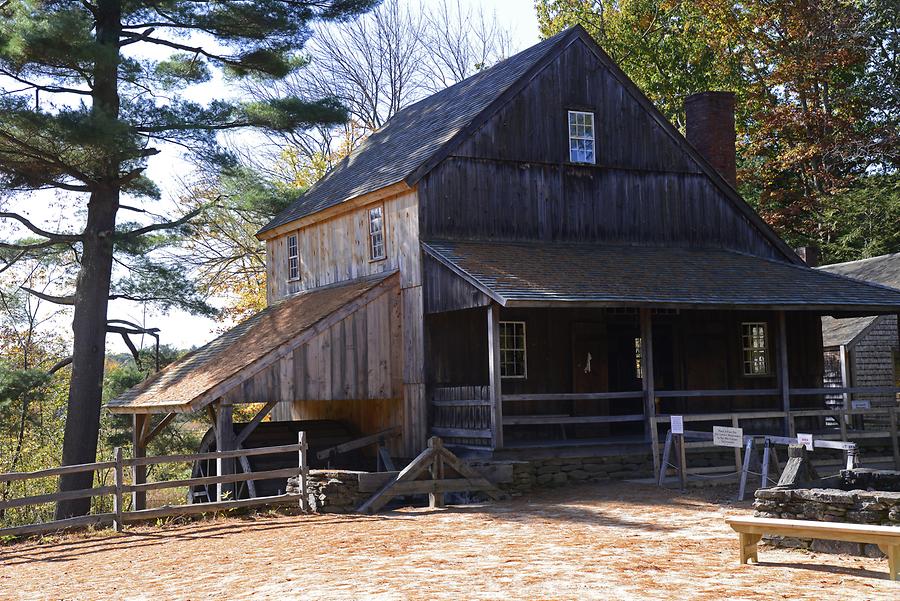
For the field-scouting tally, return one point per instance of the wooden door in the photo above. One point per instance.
(590, 373)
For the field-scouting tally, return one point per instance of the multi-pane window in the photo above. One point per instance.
(755, 342)
(376, 233)
(581, 137)
(293, 258)
(512, 350)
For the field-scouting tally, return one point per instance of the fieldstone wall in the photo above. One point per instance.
(331, 491)
(549, 473)
(825, 501)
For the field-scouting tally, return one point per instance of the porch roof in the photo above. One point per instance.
(204, 374)
(561, 274)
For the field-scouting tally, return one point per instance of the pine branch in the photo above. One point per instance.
(168, 224)
(58, 300)
(59, 365)
(52, 236)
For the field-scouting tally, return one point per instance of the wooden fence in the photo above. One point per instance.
(119, 488)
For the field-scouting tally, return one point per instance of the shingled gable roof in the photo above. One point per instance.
(415, 134)
(202, 375)
(567, 274)
(884, 270)
(420, 136)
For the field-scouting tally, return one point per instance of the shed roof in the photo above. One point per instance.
(884, 270)
(185, 384)
(414, 135)
(562, 274)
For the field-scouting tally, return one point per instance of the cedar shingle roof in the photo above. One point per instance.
(179, 384)
(414, 135)
(522, 273)
(884, 270)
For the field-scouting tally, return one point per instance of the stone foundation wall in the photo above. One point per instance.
(332, 491)
(550, 473)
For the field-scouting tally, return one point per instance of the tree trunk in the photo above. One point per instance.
(89, 350)
(92, 288)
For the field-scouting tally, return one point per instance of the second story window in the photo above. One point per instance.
(293, 258)
(376, 234)
(755, 337)
(581, 137)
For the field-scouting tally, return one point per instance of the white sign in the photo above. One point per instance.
(724, 436)
(677, 424)
(806, 440)
(861, 404)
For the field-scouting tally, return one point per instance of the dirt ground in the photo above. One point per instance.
(603, 541)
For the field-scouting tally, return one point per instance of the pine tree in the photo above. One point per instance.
(83, 107)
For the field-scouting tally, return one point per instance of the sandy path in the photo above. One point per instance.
(604, 541)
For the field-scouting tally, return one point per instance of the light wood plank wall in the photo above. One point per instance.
(337, 250)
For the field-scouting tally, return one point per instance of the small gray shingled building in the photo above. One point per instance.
(864, 351)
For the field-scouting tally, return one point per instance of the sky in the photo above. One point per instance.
(178, 328)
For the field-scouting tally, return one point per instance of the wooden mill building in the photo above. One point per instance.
(532, 261)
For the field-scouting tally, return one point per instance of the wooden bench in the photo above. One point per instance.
(751, 530)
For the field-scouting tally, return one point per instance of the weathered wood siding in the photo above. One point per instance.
(337, 249)
(512, 178)
(446, 291)
(693, 350)
(357, 358)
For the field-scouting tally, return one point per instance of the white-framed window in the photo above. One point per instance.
(755, 343)
(581, 137)
(513, 361)
(376, 234)
(293, 258)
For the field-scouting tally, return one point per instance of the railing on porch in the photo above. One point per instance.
(461, 415)
(120, 515)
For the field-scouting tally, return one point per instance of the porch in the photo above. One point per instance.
(539, 382)
(540, 351)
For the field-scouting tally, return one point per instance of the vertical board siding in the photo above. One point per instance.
(337, 249)
(351, 360)
(512, 180)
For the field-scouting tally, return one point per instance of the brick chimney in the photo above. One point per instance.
(809, 254)
(709, 118)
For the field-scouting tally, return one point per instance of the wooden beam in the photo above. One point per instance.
(783, 371)
(257, 419)
(139, 472)
(157, 428)
(225, 441)
(494, 379)
(358, 443)
(648, 385)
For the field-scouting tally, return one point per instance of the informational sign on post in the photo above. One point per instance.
(724, 436)
(806, 440)
(861, 404)
(677, 424)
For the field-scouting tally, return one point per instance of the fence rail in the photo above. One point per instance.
(119, 488)
(843, 416)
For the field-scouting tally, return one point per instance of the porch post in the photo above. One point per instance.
(225, 441)
(845, 373)
(647, 383)
(139, 472)
(783, 380)
(493, 339)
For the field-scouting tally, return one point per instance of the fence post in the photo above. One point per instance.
(118, 523)
(304, 472)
